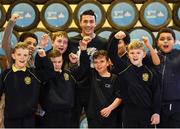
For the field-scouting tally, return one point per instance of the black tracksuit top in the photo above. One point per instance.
(108, 87)
(58, 92)
(169, 70)
(97, 43)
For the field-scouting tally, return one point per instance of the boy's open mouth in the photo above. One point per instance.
(165, 46)
(21, 61)
(135, 59)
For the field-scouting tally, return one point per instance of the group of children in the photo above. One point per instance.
(146, 86)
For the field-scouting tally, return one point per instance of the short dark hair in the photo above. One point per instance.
(100, 53)
(88, 12)
(166, 30)
(26, 35)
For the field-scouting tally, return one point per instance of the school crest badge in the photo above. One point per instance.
(145, 77)
(66, 76)
(27, 80)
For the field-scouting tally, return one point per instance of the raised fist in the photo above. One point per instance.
(14, 17)
(86, 39)
(120, 35)
(44, 41)
(41, 52)
(73, 58)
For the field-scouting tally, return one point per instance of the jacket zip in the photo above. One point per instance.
(163, 72)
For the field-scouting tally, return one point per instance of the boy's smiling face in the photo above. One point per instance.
(60, 44)
(21, 57)
(136, 56)
(101, 64)
(165, 42)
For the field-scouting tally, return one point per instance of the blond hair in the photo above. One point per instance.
(22, 45)
(136, 44)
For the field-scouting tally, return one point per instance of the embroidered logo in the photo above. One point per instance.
(66, 76)
(108, 85)
(145, 76)
(27, 80)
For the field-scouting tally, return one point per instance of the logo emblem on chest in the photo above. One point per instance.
(27, 80)
(66, 76)
(145, 77)
(107, 85)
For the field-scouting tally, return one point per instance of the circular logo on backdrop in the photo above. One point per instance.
(2, 15)
(122, 14)
(176, 14)
(105, 32)
(138, 32)
(177, 33)
(93, 5)
(56, 15)
(28, 15)
(72, 32)
(155, 15)
(14, 40)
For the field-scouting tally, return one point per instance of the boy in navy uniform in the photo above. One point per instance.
(122, 39)
(139, 90)
(57, 94)
(21, 87)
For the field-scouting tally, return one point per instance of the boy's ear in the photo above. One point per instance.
(52, 43)
(29, 58)
(13, 56)
(110, 62)
(144, 55)
(95, 24)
